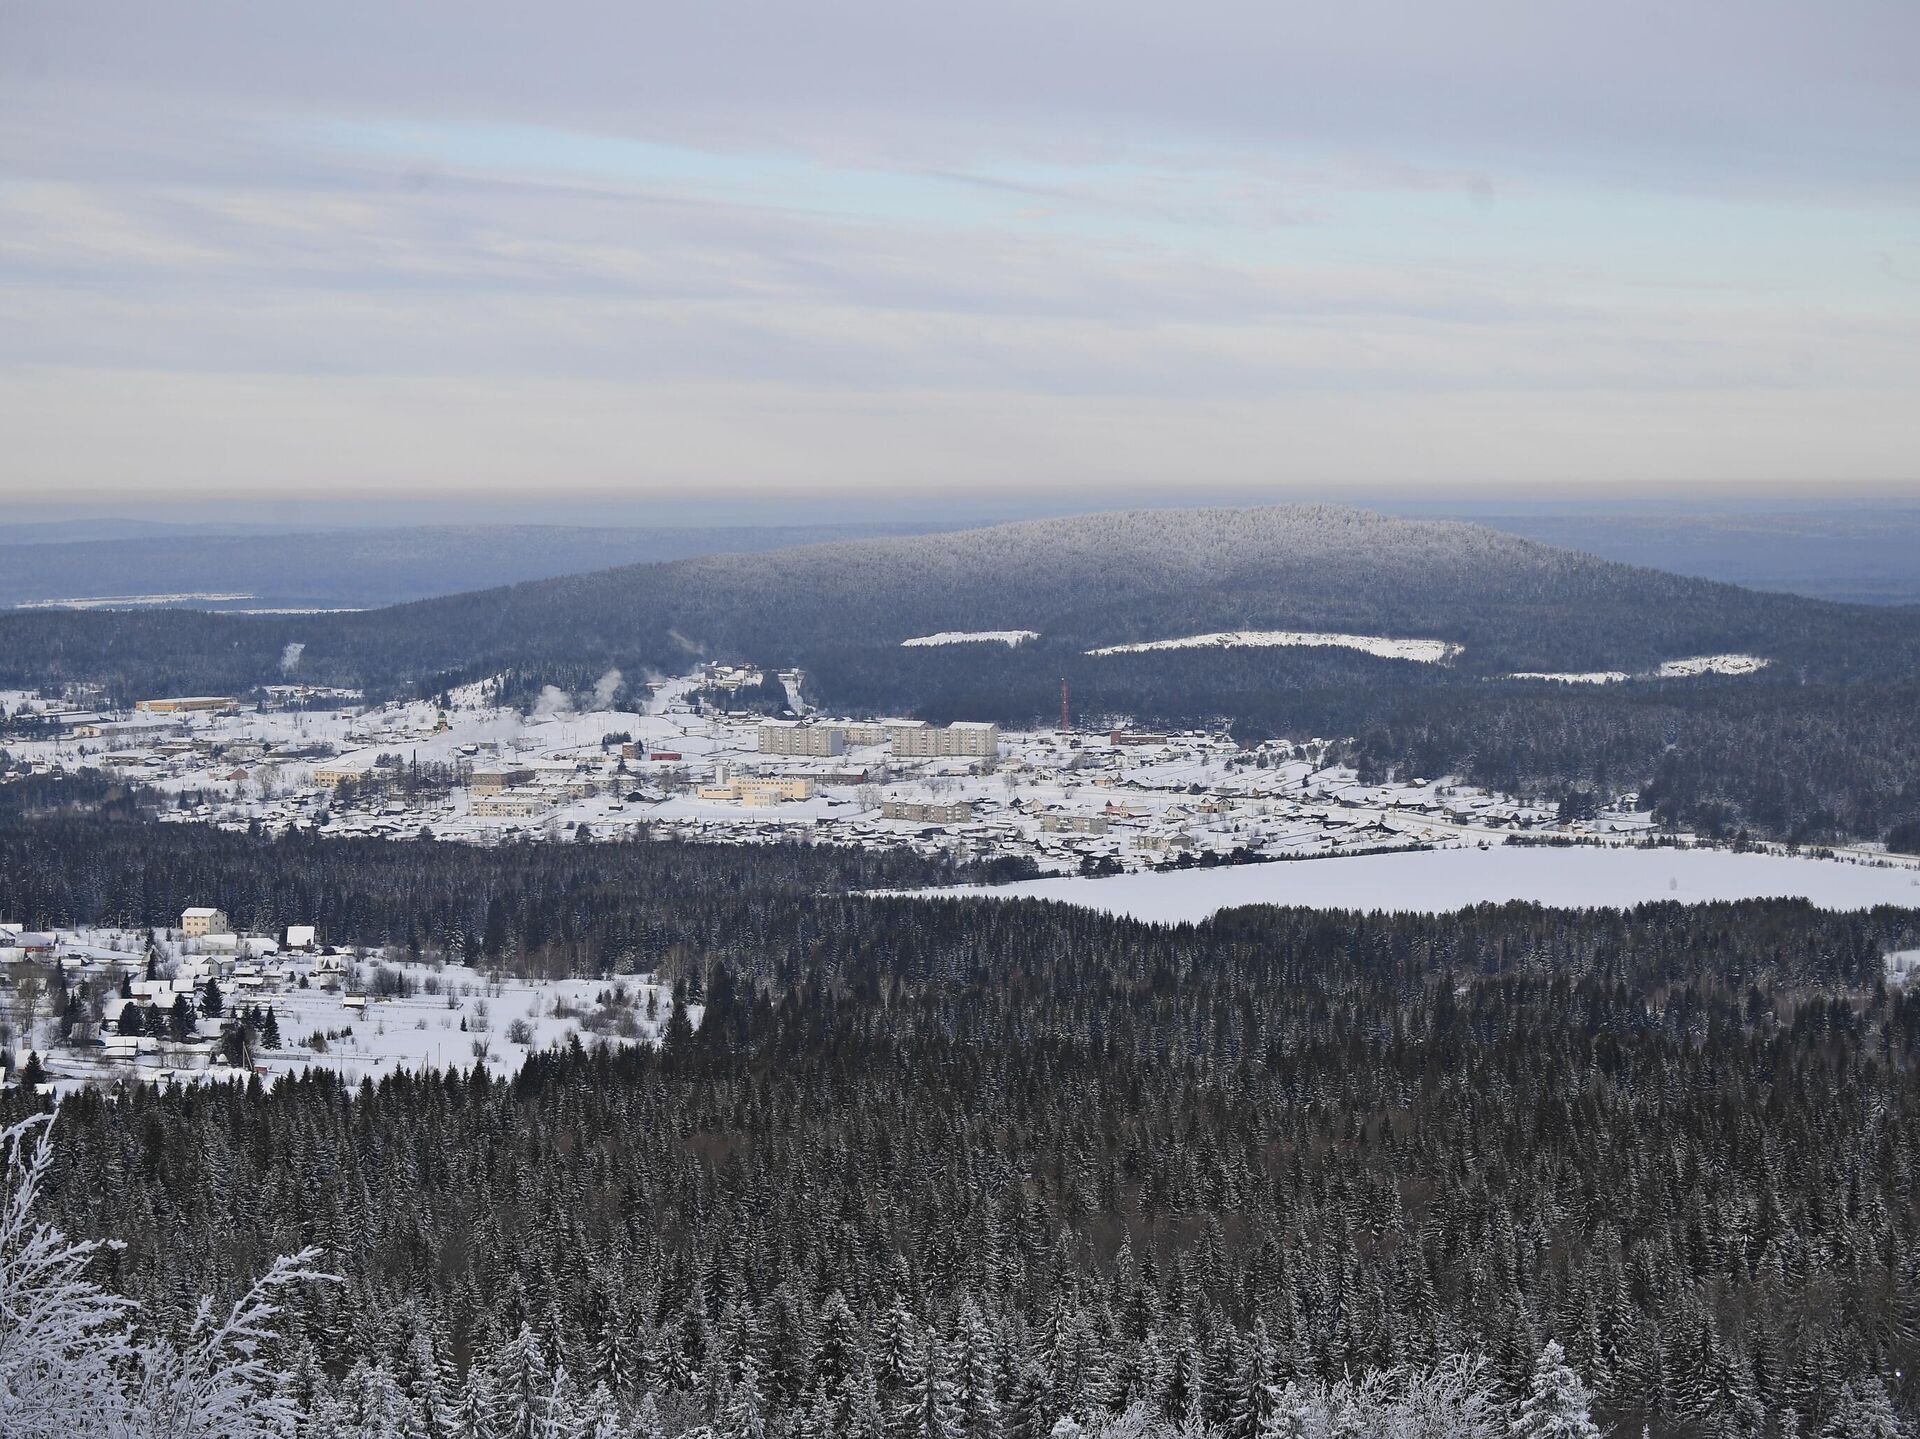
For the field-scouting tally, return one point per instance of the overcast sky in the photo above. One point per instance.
(368, 247)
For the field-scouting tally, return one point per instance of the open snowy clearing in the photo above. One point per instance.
(1670, 670)
(1381, 646)
(1437, 881)
(129, 602)
(971, 637)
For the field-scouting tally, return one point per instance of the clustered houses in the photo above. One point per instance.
(91, 1004)
(464, 767)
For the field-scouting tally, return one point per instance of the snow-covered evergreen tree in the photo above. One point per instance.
(1557, 1405)
(522, 1386)
(931, 1410)
(1863, 1411)
(743, 1416)
(473, 1411)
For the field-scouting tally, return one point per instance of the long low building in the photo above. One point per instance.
(927, 811)
(511, 804)
(186, 703)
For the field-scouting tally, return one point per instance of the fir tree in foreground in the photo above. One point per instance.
(1558, 1405)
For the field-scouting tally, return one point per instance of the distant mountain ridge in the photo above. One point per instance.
(1081, 582)
(1096, 580)
(346, 567)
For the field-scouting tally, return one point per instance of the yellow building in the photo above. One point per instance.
(757, 792)
(201, 921)
(186, 703)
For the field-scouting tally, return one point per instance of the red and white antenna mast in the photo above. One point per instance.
(1066, 719)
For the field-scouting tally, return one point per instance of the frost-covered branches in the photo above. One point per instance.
(63, 1339)
(72, 1362)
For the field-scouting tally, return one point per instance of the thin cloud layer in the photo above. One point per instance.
(853, 244)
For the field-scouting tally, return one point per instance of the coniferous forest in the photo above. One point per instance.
(977, 1168)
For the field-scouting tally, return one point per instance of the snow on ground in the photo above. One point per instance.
(1422, 651)
(972, 637)
(1670, 670)
(1437, 881)
(118, 602)
(1588, 677)
(466, 1018)
(1711, 665)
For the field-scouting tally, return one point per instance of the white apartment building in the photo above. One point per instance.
(963, 739)
(789, 737)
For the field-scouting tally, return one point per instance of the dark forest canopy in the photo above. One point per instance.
(1089, 1162)
(75, 853)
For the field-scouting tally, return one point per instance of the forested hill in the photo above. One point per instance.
(1815, 746)
(1081, 582)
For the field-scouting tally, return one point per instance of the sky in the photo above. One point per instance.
(335, 255)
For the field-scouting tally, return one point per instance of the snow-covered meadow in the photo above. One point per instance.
(455, 1016)
(1380, 646)
(1009, 638)
(1689, 668)
(1441, 880)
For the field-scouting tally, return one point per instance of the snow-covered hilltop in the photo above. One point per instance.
(970, 637)
(1668, 670)
(1381, 646)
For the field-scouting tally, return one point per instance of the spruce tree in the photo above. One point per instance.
(1557, 1405)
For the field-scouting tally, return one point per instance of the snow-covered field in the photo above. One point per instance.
(1670, 670)
(1584, 677)
(1711, 665)
(129, 602)
(376, 1018)
(971, 637)
(1382, 646)
(464, 1018)
(1436, 881)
